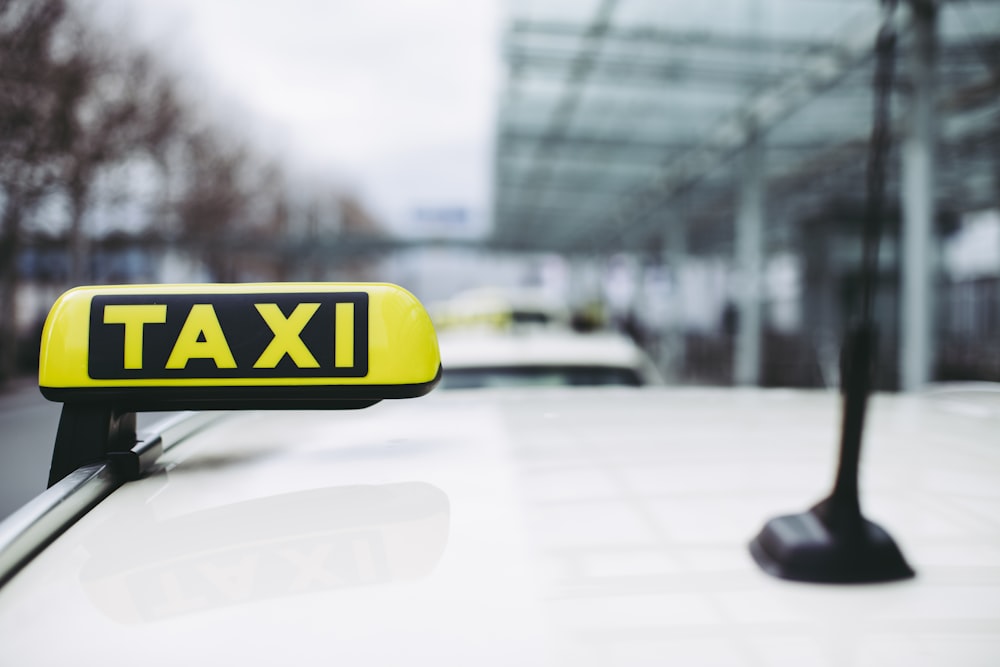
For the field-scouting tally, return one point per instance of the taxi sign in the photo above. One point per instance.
(168, 347)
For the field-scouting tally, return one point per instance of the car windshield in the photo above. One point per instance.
(539, 376)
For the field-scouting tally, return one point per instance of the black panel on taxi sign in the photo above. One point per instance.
(229, 336)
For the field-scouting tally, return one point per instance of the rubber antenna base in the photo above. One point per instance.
(803, 547)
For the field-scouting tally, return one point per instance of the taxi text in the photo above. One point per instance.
(229, 335)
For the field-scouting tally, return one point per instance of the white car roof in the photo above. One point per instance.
(582, 526)
(549, 347)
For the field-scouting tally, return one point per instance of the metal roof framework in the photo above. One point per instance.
(622, 118)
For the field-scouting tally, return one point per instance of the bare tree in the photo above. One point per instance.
(213, 200)
(27, 117)
(116, 105)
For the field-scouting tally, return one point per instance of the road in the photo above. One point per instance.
(27, 435)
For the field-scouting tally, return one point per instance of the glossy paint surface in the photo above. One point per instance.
(570, 527)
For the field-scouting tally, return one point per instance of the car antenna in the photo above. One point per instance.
(833, 542)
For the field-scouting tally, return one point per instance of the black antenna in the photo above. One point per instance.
(833, 542)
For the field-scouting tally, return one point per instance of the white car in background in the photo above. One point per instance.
(552, 357)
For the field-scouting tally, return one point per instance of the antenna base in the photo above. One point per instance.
(805, 547)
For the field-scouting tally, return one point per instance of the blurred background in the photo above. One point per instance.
(691, 174)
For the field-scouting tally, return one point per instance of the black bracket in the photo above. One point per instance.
(89, 433)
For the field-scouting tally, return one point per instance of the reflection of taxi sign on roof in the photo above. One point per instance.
(296, 345)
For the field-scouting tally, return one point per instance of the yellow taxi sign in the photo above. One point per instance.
(237, 345)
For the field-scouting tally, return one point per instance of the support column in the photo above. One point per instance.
(918, 204)
(749, 262)
(673, 350)
(586, 297)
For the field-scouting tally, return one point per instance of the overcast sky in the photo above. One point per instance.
(396, 97)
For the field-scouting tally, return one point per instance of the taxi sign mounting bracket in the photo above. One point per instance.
(93, 433)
